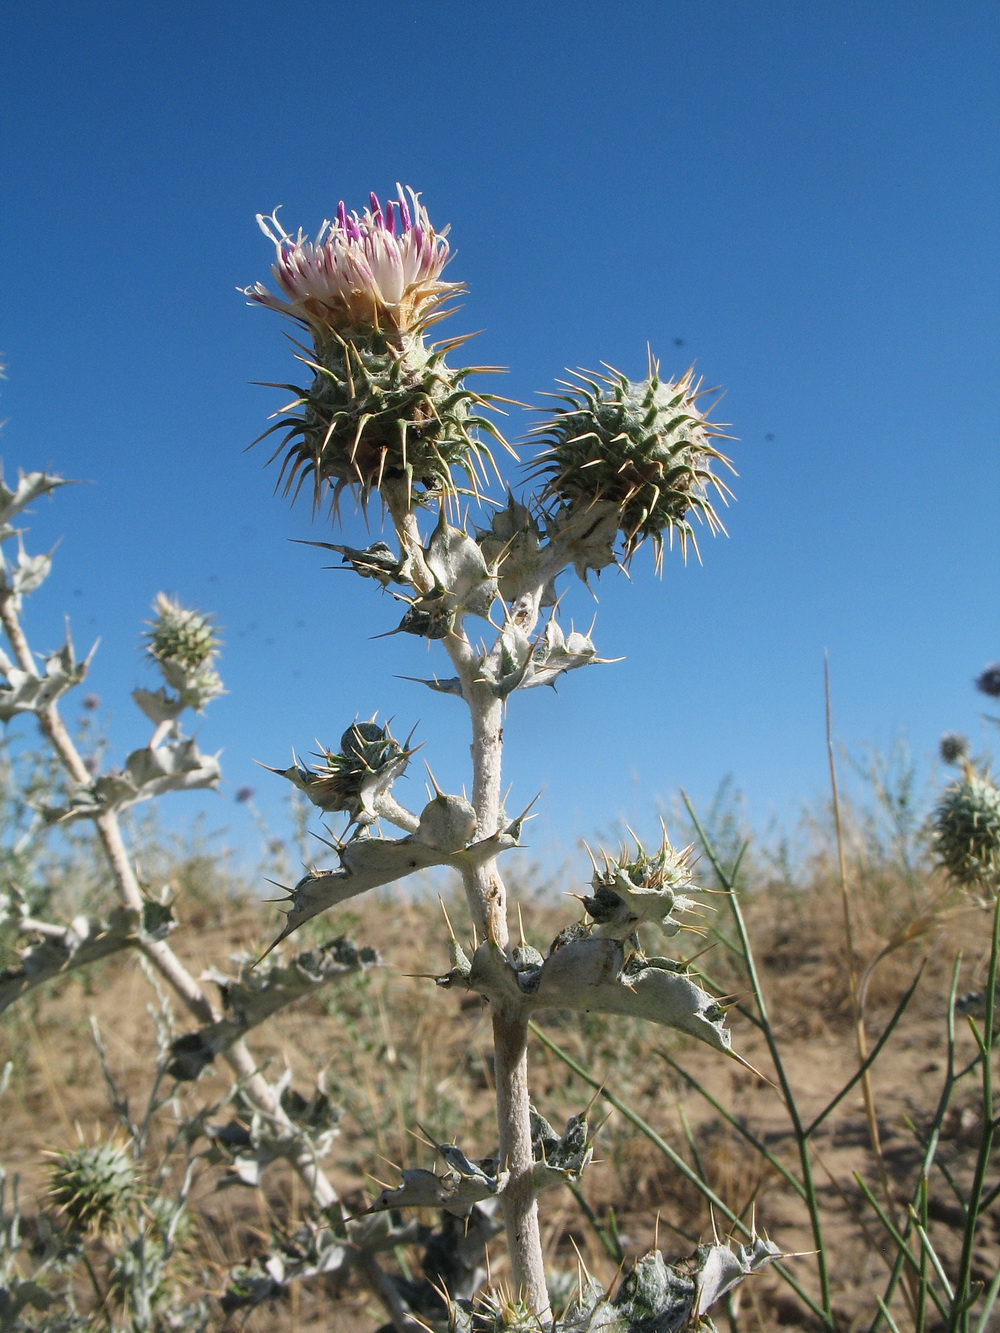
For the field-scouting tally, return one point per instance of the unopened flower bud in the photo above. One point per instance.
(642, 448)
(92, 1185)
(447, 823)
(184, 645)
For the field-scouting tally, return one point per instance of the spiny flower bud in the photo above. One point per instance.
(447, 823)
(93, 1185)
(181, 635)
(640, 449)
(184, 645)
(368, 763)
(967, 831)
(629, 890)
(383, 406)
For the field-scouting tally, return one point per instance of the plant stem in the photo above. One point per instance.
(518, 1201)
(487, 899)
(960, 1314)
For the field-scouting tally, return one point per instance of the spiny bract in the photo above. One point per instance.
(643, 446)
(967, 831)
(383, 409)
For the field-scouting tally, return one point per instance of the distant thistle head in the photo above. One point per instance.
(184, 645)
(966, 826)
(383, 406)
(180, 634)
(643, 448)
(93, 1186)
(953, 746)
(988, 680)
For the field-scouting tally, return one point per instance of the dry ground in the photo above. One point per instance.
(400, 1053)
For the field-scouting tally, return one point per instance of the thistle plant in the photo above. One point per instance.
(624, 462)
(381, 414)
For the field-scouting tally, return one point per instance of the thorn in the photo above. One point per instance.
(587, 1109)
(437, 789)
(602, 1124)
(427, 1139)
(686, 962)
(747, 1065)
(447, 918)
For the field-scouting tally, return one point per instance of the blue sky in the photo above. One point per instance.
(800, 198)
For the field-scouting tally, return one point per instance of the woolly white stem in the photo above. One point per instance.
(487, 898)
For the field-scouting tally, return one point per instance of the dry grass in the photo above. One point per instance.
(399, 1053)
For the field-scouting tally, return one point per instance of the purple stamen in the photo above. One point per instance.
(353, 230)
(404, 214)
(342, 216)
(376, 209)
(390, 219)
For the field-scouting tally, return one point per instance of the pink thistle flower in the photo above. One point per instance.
(378, 271)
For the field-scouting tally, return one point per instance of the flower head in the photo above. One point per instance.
(184, 645)
(384, 411)
(380, 270)
(988, 680)
(93, 1186)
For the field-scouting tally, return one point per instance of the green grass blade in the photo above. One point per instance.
(989, 1300)
(862, 1069)
(791, 1106)
(759, 1147)
(900, 1241)
(960, 1308)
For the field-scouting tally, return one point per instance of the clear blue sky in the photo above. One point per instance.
(804, 194)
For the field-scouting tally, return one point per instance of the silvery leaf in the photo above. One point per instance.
(590, 975)
(85, 940)
(158, 705)
(458, 565)
(30, 486)
(368, 863)
(26, 692)
(254, 995)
